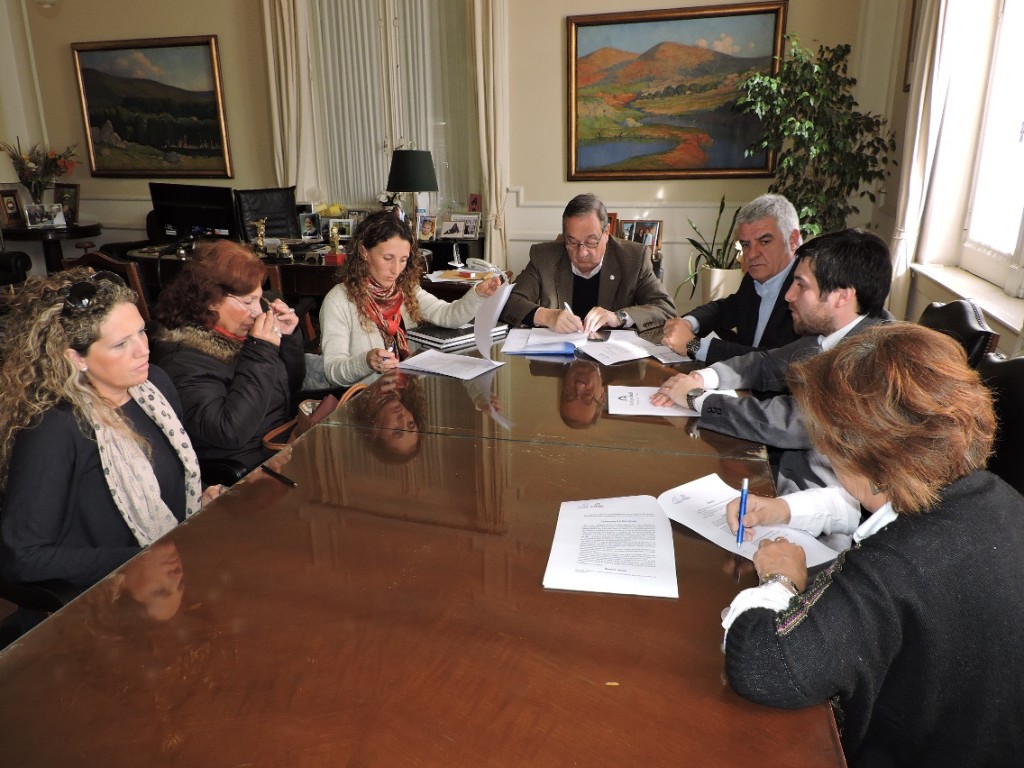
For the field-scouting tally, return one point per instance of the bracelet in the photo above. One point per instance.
(780, 578)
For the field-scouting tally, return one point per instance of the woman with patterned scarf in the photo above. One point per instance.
(233, 355)
(364, 318)
(94, 461)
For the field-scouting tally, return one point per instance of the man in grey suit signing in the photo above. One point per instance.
(840, 284)
(588, 281)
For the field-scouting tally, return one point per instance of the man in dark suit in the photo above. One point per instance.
(768, 231)
(840, 284)
(589, 280)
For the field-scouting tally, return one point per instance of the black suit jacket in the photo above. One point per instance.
(740, 311)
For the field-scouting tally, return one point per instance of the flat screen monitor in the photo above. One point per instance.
(194, 209)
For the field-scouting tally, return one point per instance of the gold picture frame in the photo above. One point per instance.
(162, 118)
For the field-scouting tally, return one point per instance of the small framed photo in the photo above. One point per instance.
(646, 231)
(11, 212)
(470, 224)
(66, 195)
(426, 227)
(343, 226)
(453, 229)
(44, 215)
(475, 203)
(309, 226)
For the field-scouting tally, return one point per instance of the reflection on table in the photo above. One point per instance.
(391, 613)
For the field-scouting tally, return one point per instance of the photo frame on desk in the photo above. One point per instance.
(426, 227)
(470, 225)
(453, 229)
(66, 196)
(11, 212)
(309, 226)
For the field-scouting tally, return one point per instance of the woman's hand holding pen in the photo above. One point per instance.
(381, 360)
(760, 511)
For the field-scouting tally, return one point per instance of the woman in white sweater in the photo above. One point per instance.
(364, 318)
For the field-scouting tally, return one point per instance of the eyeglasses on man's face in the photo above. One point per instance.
(591, 243)
(82, 295)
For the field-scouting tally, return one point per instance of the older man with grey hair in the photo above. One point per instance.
(589, 280)
(756, 316)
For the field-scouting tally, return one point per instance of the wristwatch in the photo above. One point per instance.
(623, 318)
(693, 347)
(691, 398)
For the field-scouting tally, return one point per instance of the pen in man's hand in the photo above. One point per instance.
(567, 307)
(278, 476)
(743, 510)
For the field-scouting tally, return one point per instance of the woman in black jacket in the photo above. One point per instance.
(234, 357)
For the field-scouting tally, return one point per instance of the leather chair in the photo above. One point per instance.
(1005, 377)
(128, 270)
(964, 321)
(275, 204)
(14, 267)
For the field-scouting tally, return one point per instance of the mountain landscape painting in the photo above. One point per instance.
(653, 94)
(153, 107)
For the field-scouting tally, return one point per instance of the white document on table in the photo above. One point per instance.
(636, 401)
(615, 351)
(700, 506)
(519, 342)
(659, 352)
(487, 318)
(620, 545)
(461, 367)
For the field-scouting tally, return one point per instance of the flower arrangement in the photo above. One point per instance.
(38, 168)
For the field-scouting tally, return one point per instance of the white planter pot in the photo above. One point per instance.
(719, 283)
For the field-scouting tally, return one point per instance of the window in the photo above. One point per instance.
(996, 213)
(397, 73)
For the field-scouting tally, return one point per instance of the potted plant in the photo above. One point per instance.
(715, 261)
(829, 153)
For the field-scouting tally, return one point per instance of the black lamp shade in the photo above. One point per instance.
(412, 170)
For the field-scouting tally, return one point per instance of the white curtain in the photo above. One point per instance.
(293, 109)
(490, 48)
(925, 110)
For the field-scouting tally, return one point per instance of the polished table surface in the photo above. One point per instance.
(389, 612)
(51, 238)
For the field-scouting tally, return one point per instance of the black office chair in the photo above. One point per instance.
(275, 204)
(1005, 377)
(964, 321)
(14, 267)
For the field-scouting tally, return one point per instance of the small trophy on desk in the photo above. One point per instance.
(261, 234)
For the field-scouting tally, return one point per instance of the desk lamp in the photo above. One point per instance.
(412, 170)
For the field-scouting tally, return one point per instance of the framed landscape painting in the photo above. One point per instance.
(153, 107)
(652, 94)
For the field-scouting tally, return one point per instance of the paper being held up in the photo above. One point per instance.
(700, 506)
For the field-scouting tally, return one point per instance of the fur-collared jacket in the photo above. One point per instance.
(232, 393)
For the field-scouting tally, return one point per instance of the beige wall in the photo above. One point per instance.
(123, 203)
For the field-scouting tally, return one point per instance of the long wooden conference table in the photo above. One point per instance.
(388, 610)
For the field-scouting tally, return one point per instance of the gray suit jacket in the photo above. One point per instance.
(775, 421)
(627, 282)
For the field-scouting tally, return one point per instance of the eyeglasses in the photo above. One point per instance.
(82, 295)
(264, 304)
(590, 243)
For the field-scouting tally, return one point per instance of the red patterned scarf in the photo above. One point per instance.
(384, 307)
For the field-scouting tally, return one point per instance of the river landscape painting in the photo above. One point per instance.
(652, 94)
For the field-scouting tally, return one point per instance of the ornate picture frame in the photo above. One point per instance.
(153, 107)
(652, 93)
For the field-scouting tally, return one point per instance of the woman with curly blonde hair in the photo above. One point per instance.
(364, 318)
(94, 461)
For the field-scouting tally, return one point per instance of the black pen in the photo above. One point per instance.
(278, 476)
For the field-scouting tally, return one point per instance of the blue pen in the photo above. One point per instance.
(743, 510)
